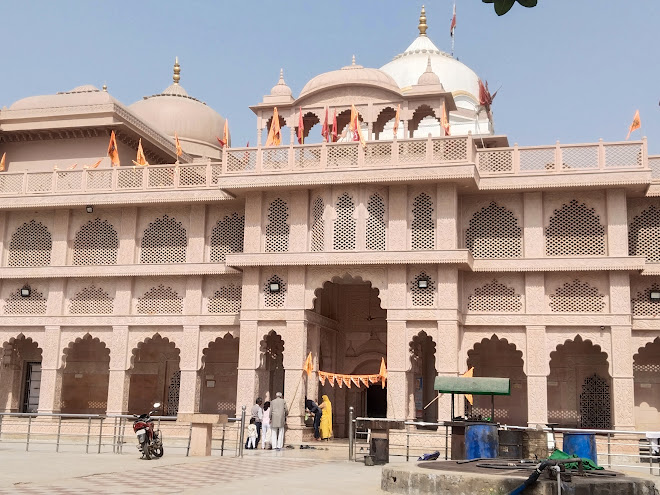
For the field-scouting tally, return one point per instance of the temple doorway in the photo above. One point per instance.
(353, 342)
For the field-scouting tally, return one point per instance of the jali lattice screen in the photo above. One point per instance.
(91, 300)
(277, 230)
(495, 297)
(227, 237)
(644, 235)
(274, 298)
(376, 223)
(226, 300)
(345, 224)
(30, 245)
(575, 230)
(164, 241)
(422, 296)
(160, 300)
(318, 230)
(643, 305)
(423, 226)
(494, 233)
(577, 297)
(34, 304)
(96, 243)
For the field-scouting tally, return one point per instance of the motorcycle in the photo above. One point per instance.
(150, 440)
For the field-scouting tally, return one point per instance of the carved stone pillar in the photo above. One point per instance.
(397, 230)
(196, 234)
(295, 347)
(58, 255)
(189, 365)
(253, 216)
(299, 208)
(248, 352)
(447, 351)
(533, 225)
(119, 381)
(537, 376)
(127, 236)
(447, 215)
(397, 367)
(313, 346)
(50, 393)
(617, 222)
(623, 397)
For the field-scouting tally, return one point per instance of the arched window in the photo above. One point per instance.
(227, 237)
(575, 230)
(423, 226)
(34, 304)
(277, 230)
(318, 230)
(160, 300)
(226, 300)
(96, 243)
(91, 300)
(495, 297)
(644, 235)
(376, 227)
(164, 241)
(30, 245)
(344, 238)
(494, 233)
(577, 297)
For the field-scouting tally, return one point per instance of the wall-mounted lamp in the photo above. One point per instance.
(423, 283)
(274, 287)
(654, 295)
(89, 209)
(26, 291)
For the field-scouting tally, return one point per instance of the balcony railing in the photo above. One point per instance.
(562, 158)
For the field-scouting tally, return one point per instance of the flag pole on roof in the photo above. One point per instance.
(452, 29)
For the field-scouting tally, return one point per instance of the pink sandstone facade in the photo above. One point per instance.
(205, 283)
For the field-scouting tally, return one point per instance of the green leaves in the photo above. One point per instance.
(503, 6)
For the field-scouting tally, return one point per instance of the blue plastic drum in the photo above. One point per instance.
(582, 445)
(481, 441)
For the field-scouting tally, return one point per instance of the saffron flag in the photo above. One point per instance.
(2, 162)
(334, 126)
(485, 98)
(395, 128)
(636, 124)
(96, 165)
(179, 151)
(354, 126)
(113, 152)
(301, 128)
(469, 374)
(453, 22)
(383, 372)
(307, 367)
(444, 119)
(140, 159)
(325, 131)
(72, 167)
(274, 134)
(225, 133)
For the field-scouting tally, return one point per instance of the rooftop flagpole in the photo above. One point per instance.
(452, 29)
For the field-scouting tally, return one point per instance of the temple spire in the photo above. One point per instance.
(422, 23)
(177, 71)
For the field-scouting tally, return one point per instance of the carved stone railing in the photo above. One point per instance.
(654, 165)
(563, 158)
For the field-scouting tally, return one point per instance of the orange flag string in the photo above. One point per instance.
(357, 380)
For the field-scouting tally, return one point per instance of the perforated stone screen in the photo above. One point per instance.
(642, 305)
(422, 296)
(376, 223)
(227, 237)
(644, 235)
(577, 297)
(16, 304)
(495, 297)
(575, 230)
(423, 226)
(30, 245)
(226, 300)
(277, 230)
(164, 241)
(91, 300)
(494, 233)
(318, 230)
(96, 243)
(160, 300)
(345, 224)
(274, 299)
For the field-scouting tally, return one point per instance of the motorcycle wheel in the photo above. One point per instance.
(145, 450)
(158, 448)
(158, 452)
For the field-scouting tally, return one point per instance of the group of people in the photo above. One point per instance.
(267, 421)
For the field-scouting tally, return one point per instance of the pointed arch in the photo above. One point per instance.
(34, 304)
(91, 300)
(644, 235)
(577, 297)
(575, 230)
(160, 300)
(85, 376)
(165, 240)
(226, 300)
(227, 236)
(495, 297)
(219, 376)
(494, 232)
(96, 243)
(31, 245)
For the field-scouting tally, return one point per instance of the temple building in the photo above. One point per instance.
(204, 280)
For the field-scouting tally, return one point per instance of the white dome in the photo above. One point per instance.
(455, 76)
(79, 96)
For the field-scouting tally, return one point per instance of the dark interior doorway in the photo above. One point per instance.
(376, 401)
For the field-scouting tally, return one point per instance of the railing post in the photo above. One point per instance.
(209, 174)
(25, 183)
(114, 437)
(189, 440)
(89, 431)
(53, 186)
(223, 157)
(222, 442)
(145, 178)
(324, 155)
(59, 432)
(83, 182)
(259, 162)
(516, 159)
(601, 154)
(446, 442)
(609, 450)
(27, 438)
(559, 166)
(242, 432)
(114, 180)
(360, 156)
(395, 151)
(429, 149)
(100, 435)
(645, 153)
(407, 444)
(290, 157)
(351, 440)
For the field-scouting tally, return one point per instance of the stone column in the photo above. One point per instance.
(295, 347)
(299, 208)
(397, 360)
(253, 216)
(313, 346)
(447, 350)
(397, 230)
(4, 236)
(58, 255)
(127, 236)
(196, 234)
(623, 395)
(189, 365)
(119, 381)
(51, 378)
(537, 376)
(447, 216)
(192, 304)
(534, 243)
(617, 222)
(248, 362)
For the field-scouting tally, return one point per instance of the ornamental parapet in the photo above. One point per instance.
(136, 270)
(559, 264)
(117, 320)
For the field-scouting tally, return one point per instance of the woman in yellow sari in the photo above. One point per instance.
(326, 418)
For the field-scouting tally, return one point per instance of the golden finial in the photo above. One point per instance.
(422, 23)
(177, 71)
(353, 63)
(282, 75)
(105, 88)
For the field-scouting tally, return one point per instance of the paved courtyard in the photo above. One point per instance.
(287, 472)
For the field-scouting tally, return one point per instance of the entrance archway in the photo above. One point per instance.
(155, 376)
(646, 373)
(271, 367)
(20, 375)
(219, 375)
(354, 342)
(85, 377)
(421, 378)
(579, 386)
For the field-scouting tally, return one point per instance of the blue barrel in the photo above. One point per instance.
(481, 441)
(582, 445)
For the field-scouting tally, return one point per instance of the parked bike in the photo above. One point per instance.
(150, 439)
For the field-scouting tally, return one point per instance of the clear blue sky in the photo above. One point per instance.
(570, 70)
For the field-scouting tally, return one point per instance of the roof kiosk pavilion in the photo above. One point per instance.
(204, 284)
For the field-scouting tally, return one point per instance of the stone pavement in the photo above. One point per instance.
(287, 472)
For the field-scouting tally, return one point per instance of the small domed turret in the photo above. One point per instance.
(281, 89)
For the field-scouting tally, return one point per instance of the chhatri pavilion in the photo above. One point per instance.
(204, 279)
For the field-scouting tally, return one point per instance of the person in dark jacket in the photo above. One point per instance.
(313, 408)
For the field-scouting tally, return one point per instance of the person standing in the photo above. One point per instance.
(278, 413)
(313, 408)
(257, 414)
(252, 435)
(326, 419)
(265, 426)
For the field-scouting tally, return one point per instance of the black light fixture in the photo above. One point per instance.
(274, 287)
(654, 295)
(89, 209)
(423, 283)
(26, 291)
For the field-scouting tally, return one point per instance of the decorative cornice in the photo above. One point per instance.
(642, 323)
(550, 319)
(553, 264)
(137, 270)
(115, 320)
(651, 269)
(597, 178)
